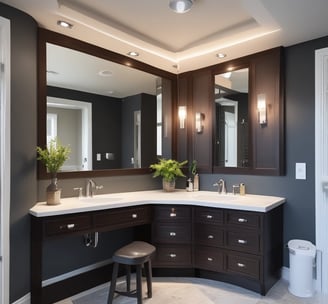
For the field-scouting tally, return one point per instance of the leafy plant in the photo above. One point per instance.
(54, 156)
(169, 169)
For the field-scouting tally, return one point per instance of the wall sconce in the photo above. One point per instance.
(199, 122)
(261, 109)
(182, 113)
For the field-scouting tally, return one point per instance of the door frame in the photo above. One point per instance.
(321, 166)
(5, 159)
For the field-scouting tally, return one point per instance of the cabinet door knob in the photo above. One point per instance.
(70, 226)
(210, 236)
(172, 255)
(242, 241)
(173, 234)
(241, 265)
(242, 220)
(210, 259)
(134, 215)
(209, 216)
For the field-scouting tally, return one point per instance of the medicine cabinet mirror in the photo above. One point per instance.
(231, 119)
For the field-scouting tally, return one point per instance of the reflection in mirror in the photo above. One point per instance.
(231, 117)
(109, 114)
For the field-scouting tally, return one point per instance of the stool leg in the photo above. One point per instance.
(148, 273)
(113, 284)
(139, 283)
(128, 278)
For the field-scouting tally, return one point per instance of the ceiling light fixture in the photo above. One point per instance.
(64, 24)
(180, 6)
(105, 73)
(221, 55)
(133, 54)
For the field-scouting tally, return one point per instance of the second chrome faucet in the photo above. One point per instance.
(221, 184)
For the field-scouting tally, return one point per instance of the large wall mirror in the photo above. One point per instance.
(231, 119)
(114, 112)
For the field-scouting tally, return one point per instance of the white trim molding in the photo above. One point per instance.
(321, 162)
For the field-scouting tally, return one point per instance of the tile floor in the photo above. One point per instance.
(196, 291)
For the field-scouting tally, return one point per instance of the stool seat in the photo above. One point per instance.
(134, 253)
(137, 254)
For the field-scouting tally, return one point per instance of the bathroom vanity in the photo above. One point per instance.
(233, 238)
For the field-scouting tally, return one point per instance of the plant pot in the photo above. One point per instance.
(53, 192)
(168, 186)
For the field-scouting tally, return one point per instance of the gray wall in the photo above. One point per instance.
(299, 214)
(23, 143)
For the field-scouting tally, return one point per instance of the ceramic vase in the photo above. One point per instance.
(168, 186)
(53, 192)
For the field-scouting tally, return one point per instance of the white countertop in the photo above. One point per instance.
(247, 202)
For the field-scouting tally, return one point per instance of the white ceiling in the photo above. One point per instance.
(182, 42)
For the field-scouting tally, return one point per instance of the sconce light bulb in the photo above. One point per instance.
(182, 113)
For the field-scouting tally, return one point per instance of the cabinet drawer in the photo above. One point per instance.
(208, 215)
(243, 264)
(172, 232)
(67, 225)
(244, 241)
(174, 256)
(124, 217)
(243, 219)
(209, 258)
(172, 213)
(210, 235)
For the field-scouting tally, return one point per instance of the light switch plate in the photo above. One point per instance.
(98, 156)
(300, 171)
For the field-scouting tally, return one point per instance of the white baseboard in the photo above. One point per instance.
(24, 300)
(285, 273)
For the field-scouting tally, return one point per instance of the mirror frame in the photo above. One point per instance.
(46, 36)
(230, 66)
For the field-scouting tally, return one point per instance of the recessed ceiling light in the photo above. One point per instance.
(64, 24)
(133, 54)
(110, 92)
(105, 73)
(221, 55)
(180, 6)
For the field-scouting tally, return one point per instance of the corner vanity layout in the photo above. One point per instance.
(232, 238)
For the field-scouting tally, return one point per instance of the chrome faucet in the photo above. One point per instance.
(222, 189)
(91, 187)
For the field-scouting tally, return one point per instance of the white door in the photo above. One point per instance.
(321, 163)
(4, 157)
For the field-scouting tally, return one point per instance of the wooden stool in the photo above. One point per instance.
(134, 254)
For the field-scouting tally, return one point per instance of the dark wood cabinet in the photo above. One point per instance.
(240, 245)
(171, 234)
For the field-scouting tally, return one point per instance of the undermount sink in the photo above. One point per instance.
(100, 199)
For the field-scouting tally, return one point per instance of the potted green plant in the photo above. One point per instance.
(53, 157)
(169, 170)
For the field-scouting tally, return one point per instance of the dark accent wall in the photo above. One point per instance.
(106, 124)
(23, 143)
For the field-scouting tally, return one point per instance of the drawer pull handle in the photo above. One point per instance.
(241, 265)
(173, 234)
(209, 216)
(242, 241)
(134, 215)
(242, 220)
(172, 255)
(210, 259)
(70, 226)
(210, 237)
(172, 214)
